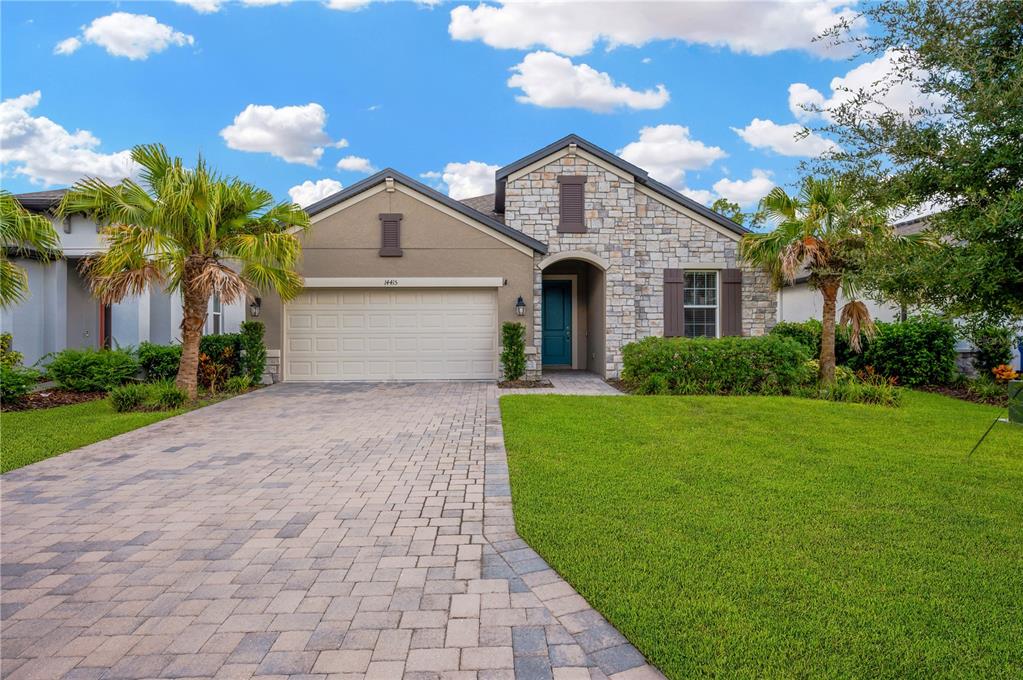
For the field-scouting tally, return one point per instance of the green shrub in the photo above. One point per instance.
(91, 370)
(880, 393)
(513, 352)
(8, 357)
(761, 365)
(919, 351)
(254, 357)
(15, 383)
(137, 396)
(129, 397)
(808, 334)
(166, 395)
(159, 362)
(238, 383)
(994, 347)
(985, 388)
(843, 374)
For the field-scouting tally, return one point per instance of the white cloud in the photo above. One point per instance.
(874, 77)
(121, 34)
(786, 140)
(745, 192)
(555, 82)
(203, 6)
(47, 153)
(699, 195)
(465, 180)
(309, 192)
(293, 133)
(356, 164)
(667, 151)
(573, 28)
(67, 46)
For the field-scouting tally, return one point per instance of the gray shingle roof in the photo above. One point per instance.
(485, 205)
(38, 201)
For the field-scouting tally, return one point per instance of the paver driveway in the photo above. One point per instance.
(324, 531)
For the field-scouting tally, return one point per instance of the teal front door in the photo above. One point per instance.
(557, 323)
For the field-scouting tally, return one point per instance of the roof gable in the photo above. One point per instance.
(430, 192)
(639, 175)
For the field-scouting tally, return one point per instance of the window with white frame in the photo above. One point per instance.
(216, 316)
(700, 304)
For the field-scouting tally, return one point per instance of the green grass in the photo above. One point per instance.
(27, 437)
(763, 537)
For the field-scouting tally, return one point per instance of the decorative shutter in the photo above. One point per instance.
(390, 235)
(573, 204)
(731, 302)
(674, 281)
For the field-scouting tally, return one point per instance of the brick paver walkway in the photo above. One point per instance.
(336, 531)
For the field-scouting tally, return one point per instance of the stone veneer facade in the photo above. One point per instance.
(638, 236)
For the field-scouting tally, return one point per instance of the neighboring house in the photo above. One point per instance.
(590, 253)
(799, 302)
(60, 311)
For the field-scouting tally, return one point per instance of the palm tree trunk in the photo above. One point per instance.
(829, 289)
(192, 321)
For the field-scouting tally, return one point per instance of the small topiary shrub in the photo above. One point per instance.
(225, 350)
(130, 397)
(238, 384)
(8, 357)
(919, 351)
(254, 350)
(15, 383)
(91, 370)
(761, 365)
(513, 352)
(159, 362)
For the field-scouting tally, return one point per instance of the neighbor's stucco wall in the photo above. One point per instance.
(800, 302)
(434, 244)
(639, 236)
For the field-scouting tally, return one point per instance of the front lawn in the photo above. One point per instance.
(30, 436)
(763, 537)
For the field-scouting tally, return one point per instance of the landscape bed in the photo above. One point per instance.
(781, 537)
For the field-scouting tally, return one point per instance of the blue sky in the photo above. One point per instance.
(423, 88)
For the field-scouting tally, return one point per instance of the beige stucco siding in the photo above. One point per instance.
(434, 244)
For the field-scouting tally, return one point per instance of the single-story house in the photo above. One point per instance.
(60, 312)
(585, 249)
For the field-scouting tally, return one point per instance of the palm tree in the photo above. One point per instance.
(22, 233)
(826, 233)
(189, 230)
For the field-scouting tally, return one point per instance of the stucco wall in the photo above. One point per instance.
(434, 244)
(799, 302)
(638, 236)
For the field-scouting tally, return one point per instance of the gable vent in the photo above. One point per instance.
(573, 204)
(390, 235)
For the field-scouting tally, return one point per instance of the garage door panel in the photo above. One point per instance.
(376, 334)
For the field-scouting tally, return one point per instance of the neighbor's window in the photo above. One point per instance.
(700, 305)
(216, 315)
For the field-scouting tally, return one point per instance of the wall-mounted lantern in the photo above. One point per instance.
(254, 308)
(520, 306)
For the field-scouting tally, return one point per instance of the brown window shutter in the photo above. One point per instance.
(390, 235)
(573, 204)
(731, 302)
(674, 280)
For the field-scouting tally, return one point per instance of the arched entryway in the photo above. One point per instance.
(572, 312)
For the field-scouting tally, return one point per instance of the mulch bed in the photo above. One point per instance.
(52, 398)
(525, 384)
(965, 395)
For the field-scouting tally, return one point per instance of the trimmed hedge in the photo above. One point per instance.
(159, 362)
(513, 352)
(255, 350)
(918, 351)
(225, 349)
(92, 370)
(760, 365)
(808, 334)
(15, 383)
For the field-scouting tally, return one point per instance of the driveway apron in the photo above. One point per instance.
(333, 531)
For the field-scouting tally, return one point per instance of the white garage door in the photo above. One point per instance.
(391, 334)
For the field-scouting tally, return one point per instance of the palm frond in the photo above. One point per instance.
(286, 282)
(26, 232)
(112, 286)
(856, 317)
(13, 282)
(215, 277)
